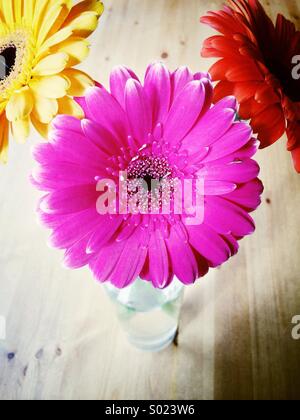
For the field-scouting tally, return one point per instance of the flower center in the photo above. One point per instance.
(150, 183)
(7, 61)
(149, 168)
(283, 71)
(16, 58)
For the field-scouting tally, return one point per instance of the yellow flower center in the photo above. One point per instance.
(16, 58)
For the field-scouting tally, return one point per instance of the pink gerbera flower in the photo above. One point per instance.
(163, 129)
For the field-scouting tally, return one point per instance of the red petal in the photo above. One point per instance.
(269, 124)
(223, 22)
(236, 70)
(267, 96)
(222, 46)
(293, 133)
(223, 89)
(246, 90)
(250, 108)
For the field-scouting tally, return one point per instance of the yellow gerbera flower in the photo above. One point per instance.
(40, 43)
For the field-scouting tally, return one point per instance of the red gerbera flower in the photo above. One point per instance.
(259, 65)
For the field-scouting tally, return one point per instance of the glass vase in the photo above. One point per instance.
(148, 316)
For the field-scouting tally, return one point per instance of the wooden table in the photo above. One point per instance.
(63, 340)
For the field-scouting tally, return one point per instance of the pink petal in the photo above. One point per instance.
(67, 122)
(209, 244)
(77, 149)
(44, 153)
(211, 127)
(138, 111)
(203, 264)
(184, 112)
(105, 140)
(104, 262)
(61, 175)
(233, 243)
(227, 102)
(248, 195)
(82, 103)
(237, 172)
(209, 93)
(129, 227)
(158, 260)
(104, 232)
(52, 221)
(227, 218)
(118, 79)
(184, 264)
(158, 91)
(212, 187)
(130, 262)
(106, 111)
(201, 75)
(244, 153)
(179, 79)
(120, 262)
(76, 256)
(70, 200)
(248, 151)
(76, 227)
(234, 139)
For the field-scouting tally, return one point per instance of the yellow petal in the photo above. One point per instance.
(84, 24)
(79, 82)
(76, 48)
(39, 9)
(86, 5)
(6, 7)
(50, 87)
(52, 19)
(45, 109)
(18, 10)
(20, 130)
(46, 14)
(84, 16)
(4, 135)
(29, 10)
(55, 39)
(68, 106)
(20, 105)
(52, 64)
(42, 129)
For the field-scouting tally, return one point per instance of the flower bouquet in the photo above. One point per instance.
(148, 182)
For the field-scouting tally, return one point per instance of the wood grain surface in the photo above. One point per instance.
(63, 339)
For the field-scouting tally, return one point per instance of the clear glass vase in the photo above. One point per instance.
(149, 316)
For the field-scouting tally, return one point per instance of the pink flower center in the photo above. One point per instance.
(150, 182)
(149, 168)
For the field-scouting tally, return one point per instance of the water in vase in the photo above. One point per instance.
(149, 316)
